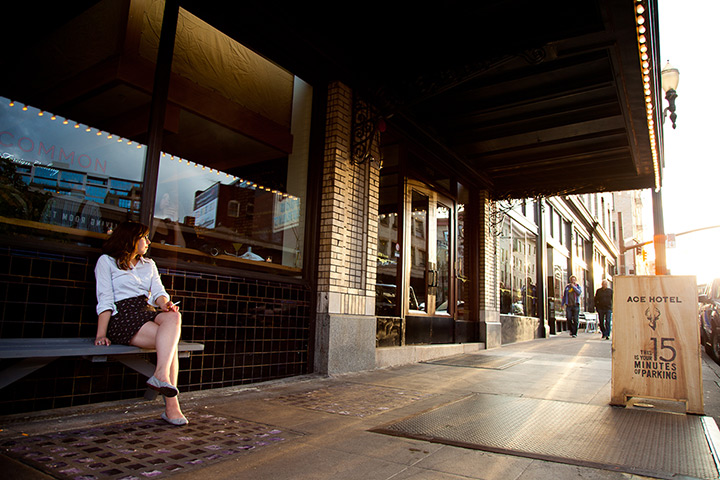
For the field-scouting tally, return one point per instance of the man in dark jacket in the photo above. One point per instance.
(571, 302)
(603, 306)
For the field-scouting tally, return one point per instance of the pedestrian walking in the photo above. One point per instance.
(603, 307)
(571, 302)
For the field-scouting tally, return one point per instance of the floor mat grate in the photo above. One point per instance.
(148, 448)
(657, 444)
(494, 362)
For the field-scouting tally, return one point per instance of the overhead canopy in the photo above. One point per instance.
(521, 97)
(525, 97)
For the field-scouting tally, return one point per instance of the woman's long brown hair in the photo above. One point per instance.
(121, 243)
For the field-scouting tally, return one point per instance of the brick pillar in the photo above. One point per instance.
(345, 333)
(488, 289)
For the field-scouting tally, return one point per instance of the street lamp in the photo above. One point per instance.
(670, 77)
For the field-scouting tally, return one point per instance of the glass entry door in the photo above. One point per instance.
(429, 247)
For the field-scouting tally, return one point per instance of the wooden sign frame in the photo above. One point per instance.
(656, 351)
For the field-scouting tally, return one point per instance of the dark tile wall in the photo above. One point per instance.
(253, 330)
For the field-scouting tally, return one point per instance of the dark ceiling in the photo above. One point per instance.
(523, 98)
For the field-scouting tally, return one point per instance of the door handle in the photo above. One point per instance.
(433, 275)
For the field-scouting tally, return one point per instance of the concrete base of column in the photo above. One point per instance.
(490, 328)
(344, 343)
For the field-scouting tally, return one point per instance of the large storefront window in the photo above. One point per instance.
(232, 175)
(239, 191)
(389, 251)
(388, 286)
(518, 270)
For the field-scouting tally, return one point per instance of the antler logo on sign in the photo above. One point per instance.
(652, 316)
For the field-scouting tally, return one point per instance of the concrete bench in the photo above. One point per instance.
(35, 353)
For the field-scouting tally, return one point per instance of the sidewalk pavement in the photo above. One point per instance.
(319, 427)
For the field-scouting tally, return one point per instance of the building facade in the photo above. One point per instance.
(632, 231)
(540, 244)
(318, 204)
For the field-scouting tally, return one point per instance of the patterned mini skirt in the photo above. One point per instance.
(132, 314)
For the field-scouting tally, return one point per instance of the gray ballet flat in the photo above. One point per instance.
(163, 387)
(178, 422)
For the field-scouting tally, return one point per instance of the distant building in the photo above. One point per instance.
(631, 231)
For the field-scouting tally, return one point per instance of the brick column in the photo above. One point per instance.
(488, 290)
(345, 333)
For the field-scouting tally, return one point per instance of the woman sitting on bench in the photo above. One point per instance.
(128, 288)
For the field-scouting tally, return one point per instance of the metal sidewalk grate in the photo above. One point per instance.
(148, 448)
(662, 445)
(494, 362)
(357, 400)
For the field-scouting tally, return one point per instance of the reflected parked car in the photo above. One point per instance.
(385, 299)
(709, 305)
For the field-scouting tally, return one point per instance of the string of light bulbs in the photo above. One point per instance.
(647, 87)
(109, 136)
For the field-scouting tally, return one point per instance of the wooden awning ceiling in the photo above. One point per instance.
(525, 98)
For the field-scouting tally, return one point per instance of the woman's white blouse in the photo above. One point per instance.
(114, 284)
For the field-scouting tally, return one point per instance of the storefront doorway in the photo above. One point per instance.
(431, 303)
(417, 298)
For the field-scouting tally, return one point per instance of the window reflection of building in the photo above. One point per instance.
(419, 255)
(443, 244)
(245, 221)
(517, 264)
(557, 282)
(69, 198)
(462, 283)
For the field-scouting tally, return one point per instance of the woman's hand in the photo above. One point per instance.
(170, 307)
(102, 341)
